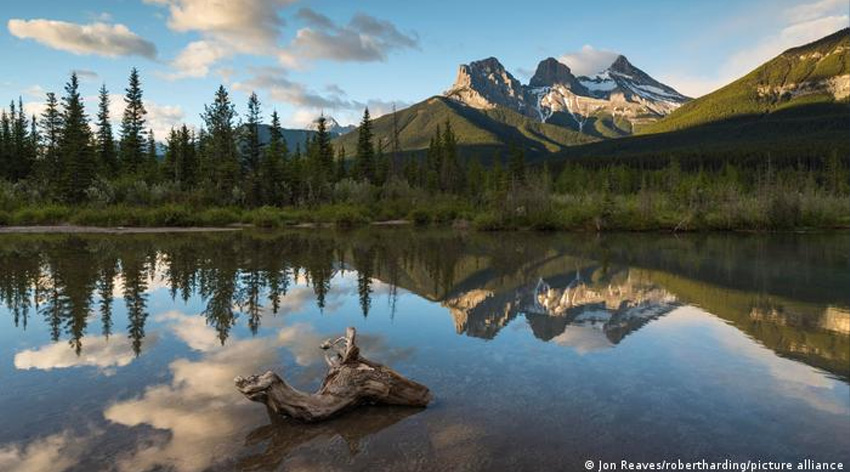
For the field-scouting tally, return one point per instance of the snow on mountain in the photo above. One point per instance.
(332, 126)
(614, 100)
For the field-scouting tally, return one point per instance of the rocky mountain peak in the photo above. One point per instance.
(485, 84)
(550, 72)
(622, 66)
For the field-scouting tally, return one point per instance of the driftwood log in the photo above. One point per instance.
(351, 380)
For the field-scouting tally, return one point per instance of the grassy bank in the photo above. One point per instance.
(595, 212)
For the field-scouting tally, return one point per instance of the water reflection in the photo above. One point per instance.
(566, 287)
(567, 336)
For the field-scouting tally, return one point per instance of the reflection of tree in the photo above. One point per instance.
(477, 276)
(134, 274)
(364, 260)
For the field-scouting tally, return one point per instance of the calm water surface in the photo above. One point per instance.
(543, 351)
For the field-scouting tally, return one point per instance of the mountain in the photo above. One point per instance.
(611, 103)
(480, 132)
(816, 73)
(793, 107)
(332, 126)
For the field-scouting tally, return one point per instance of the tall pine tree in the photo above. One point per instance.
(220, 151)
(76, 157)
(132, 127)
(365, 158)
(251, 152)
(106, 155)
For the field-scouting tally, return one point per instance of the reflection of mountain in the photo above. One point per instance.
(585, 291)
(613, 308)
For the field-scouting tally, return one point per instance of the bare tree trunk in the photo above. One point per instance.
(351, 381)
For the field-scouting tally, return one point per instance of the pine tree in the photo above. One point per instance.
(106, 155)
(132, 127)
(450, 173)
(251, 151)
(18, 159)
(274, 160)
(220, 150)
(51, 130)
(76, 157)
(365, 160)
(171, 161)
(5, 145)
(188, 164)
(151, 165)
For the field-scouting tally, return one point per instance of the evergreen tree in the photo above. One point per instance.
(151, 166)
(325, 150)
(76, 157)
(365, 160)
(106, 155)
(51, 130)
(6, 152)
(132, 127)
(171, 161)
(274, 160)
(220, 150)
(187, 162)
(450, 174)
(251, 151)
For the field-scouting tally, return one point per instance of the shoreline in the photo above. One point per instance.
(116, 230)
(78, 229)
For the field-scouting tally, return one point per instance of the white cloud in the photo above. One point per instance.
(227, 27)
(243, 24)
(588, 60)
(275, 82)
(363, 39)
(86, 75)
(196, 59)
(110, 40)
(812, 11)
(98, 351)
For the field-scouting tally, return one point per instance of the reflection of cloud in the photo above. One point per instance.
(56, 453)
(200, 407)
(206, 417)
(98, 351)
(583, 338)
(791, 378)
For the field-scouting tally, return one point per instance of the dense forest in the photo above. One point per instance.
(65, 167)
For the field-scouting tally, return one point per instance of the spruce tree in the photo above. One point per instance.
(220, 150)
(365, 161)
(76, 157)
(132, 127)
(151, 165)
(106, 155)
(51, 130)
(187, 164)
(251, 152)
(274, 160)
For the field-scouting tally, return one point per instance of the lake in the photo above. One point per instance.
(543, 351)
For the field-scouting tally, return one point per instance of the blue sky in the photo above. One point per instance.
(303, 57)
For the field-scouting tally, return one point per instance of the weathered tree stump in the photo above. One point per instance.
(351, 380)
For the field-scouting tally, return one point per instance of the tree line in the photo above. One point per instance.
(66, 157)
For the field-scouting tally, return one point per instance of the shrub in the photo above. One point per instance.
(420, 217)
